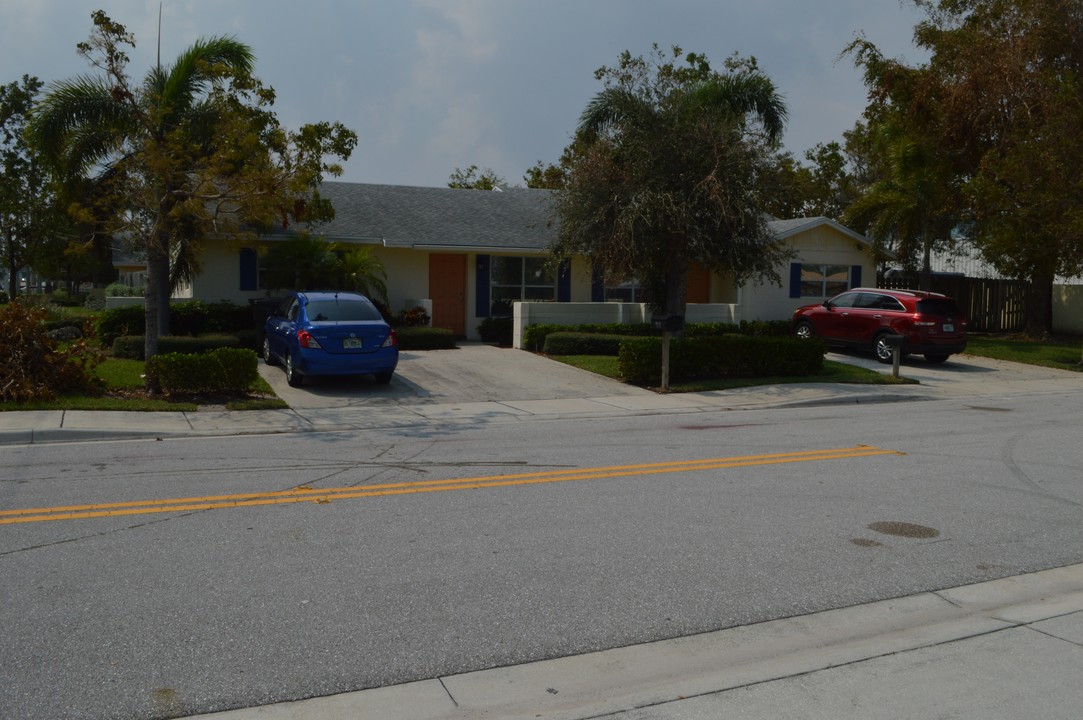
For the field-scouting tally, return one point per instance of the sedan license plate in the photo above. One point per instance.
(351, 343)
(949, 328)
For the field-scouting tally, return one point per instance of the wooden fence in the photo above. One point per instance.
(990, 305)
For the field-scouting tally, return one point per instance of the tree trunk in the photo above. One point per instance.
(157, 256)
(926, 282)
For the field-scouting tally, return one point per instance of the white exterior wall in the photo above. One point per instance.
(1068, 309)
(822, 245)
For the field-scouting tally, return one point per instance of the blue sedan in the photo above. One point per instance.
(330, 333)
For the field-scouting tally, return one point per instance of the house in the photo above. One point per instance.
(468, 254)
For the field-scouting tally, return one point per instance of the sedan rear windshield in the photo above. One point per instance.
(342, 311)
(937, 306)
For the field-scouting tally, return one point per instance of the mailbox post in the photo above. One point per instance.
(668, 324)
(895, 342)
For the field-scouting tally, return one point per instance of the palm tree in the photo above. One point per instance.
(141, 142)
(907, 209)
(667, 175)
(364, 273)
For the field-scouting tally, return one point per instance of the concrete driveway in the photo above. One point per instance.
(474, 372)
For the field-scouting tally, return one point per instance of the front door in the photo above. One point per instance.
(447, 290)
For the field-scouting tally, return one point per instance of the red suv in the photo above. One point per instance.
(931, 324)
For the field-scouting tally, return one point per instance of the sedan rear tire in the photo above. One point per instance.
(268, 357)
(293, 378)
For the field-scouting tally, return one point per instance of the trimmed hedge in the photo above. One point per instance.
(131, 346)
(232, 370)
(425, 338)
(640, 359)
(579, 343)
(535, 335)
(191, 317)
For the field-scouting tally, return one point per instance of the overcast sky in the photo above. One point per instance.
(434, 85)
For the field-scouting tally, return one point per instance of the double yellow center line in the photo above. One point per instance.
(327, 495)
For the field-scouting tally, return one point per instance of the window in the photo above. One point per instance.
(824, 281)
(628, 291)
(520, 278)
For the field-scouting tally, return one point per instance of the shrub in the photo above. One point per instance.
(497, 329)
(132, 346)
(32, 367)
(231, 370)
(412, 317)
(113, 323)
(534, 336)
(577, 343)
(425, 338)
(122, 290)
(640, 359)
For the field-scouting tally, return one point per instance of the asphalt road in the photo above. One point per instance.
(423, 551)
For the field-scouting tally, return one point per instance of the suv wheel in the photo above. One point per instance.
(804, 330)
(882, 350)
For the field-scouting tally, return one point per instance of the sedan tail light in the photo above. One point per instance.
(392, 340)
(304, 337)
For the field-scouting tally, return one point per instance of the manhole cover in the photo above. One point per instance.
(902, 529)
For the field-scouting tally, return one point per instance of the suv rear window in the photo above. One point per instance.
(940, 307)
(341, 311)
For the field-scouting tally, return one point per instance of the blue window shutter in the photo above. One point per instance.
(249, 269)
(795, 280)
(481, 288)
(564, 282)
(597, 287)
(855, 276)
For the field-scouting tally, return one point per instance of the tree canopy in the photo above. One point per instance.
(193, 151)
(666, 172)
(1000, 106)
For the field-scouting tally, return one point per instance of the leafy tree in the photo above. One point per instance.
(910, 208)
(1001, 102)
(824, 187)
(29, 205)
(310, 263)
(364, 273)
(470, 179)
(194, 150)
(667, 173)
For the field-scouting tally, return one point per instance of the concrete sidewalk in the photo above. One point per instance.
(1003, 649)
(574, 394)
(45, 426)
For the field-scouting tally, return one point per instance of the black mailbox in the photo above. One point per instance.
(894, 341)
(668, 323)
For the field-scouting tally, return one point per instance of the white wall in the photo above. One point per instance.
(822, 245)
(1068, 309)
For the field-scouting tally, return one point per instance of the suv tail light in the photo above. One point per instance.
(306, 340)
(392, 340)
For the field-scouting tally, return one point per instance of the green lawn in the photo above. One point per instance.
(1062, 353)
(123, 390)
(834, 372)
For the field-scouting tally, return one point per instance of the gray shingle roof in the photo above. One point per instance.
(403, 216)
